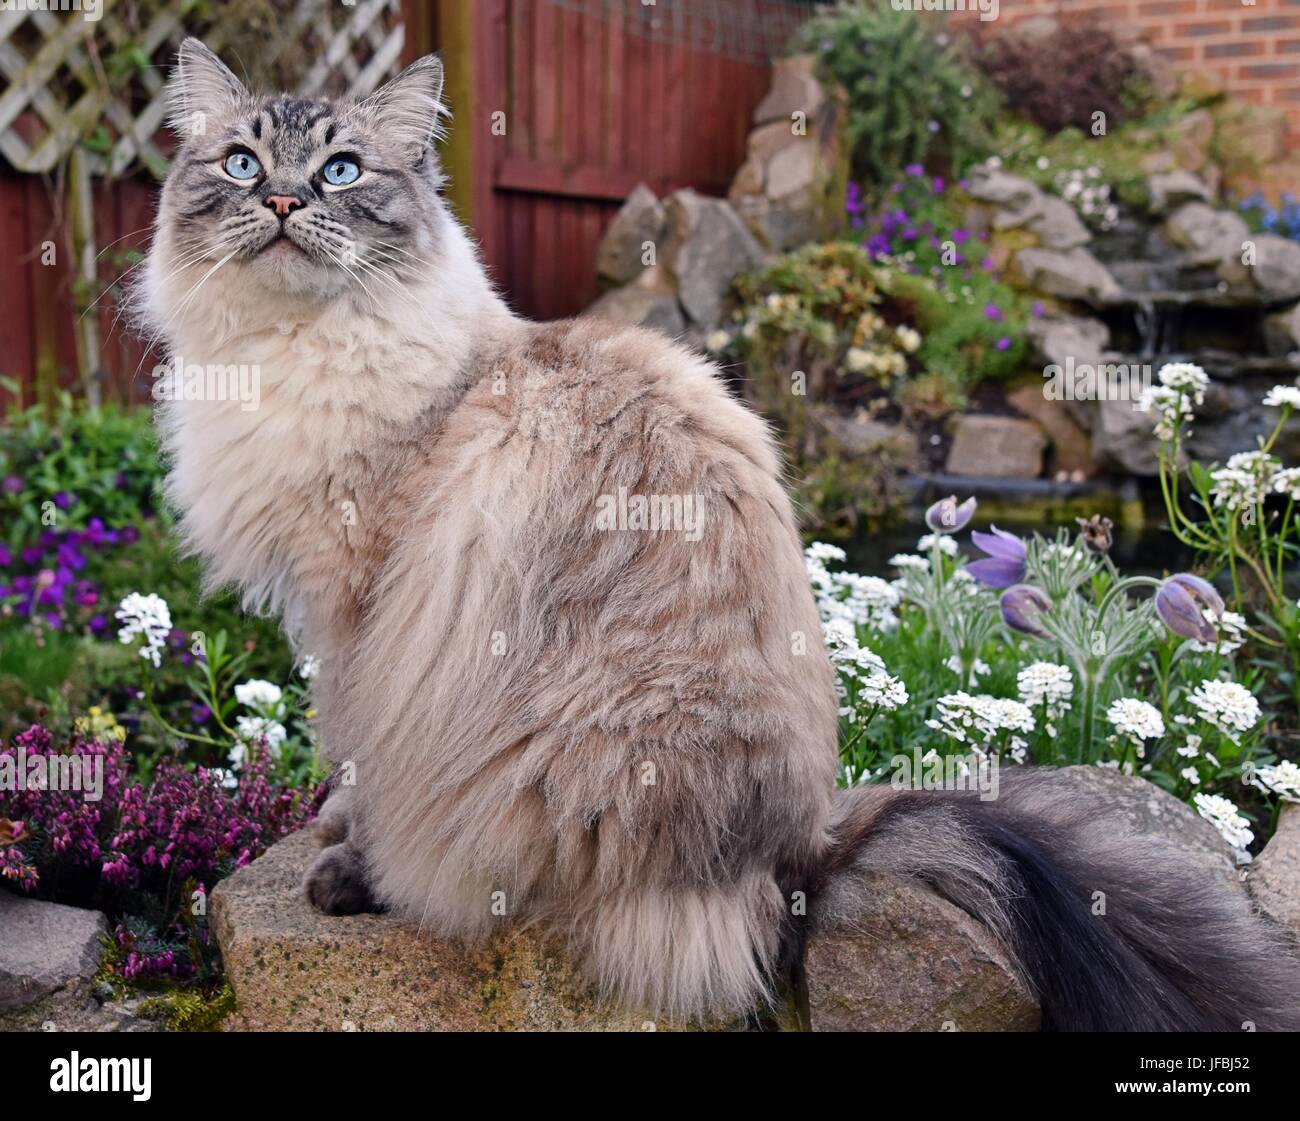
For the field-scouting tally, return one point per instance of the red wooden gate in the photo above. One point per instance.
(560, 108)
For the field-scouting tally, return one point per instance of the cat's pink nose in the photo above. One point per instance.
(283, 205)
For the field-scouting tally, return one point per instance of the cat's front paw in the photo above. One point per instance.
(336, 882)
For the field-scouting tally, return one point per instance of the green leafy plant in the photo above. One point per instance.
(912, 98)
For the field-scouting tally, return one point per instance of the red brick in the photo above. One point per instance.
(1193, 30)
(1268, 23)
(1231, 50)
(1267, 71)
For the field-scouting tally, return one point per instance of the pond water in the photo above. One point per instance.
(1152, 551)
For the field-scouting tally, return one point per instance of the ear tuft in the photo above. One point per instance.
(410, 107)
(201, 86)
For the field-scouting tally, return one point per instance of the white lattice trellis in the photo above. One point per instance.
(58, 93)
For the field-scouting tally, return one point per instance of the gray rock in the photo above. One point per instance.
(1135, 805)
(44, 947)
(1192, 137)
(795, 89)
(911, 961)
(639, 220)
(1016, 198)
(1210, 237)
(1174, 188)
(1122, 438)
(708, 247)
(996, 447)
(1057, 225)
(645, 303)
(1072, 275)
(1273, 879)
(77, 1008)
(1282, 332)
(1277, 267)
(1071, 448)
(294, 969)
(1057, 339)
(860, 436)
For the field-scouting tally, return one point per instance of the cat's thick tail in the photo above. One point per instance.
(1163, 947)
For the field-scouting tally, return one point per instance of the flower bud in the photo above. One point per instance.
(946, 516)
(1021, 604)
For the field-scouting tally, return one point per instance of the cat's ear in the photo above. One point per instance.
(410, 107)
(202, 87)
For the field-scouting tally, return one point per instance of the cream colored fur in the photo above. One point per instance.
(626, 736)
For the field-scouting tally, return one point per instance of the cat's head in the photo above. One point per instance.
(301, 195)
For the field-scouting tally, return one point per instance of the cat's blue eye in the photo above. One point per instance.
(341, 172)
(242, 165)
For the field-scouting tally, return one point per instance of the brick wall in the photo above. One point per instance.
(1252, 48)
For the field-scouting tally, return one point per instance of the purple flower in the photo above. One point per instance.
(6, 558)
(914, 169)
(961, 236)
(1004, 343)
(1005, 563)
(13, 484)
(987, 264)
(1037, 309)
(938, 185)
(64, 500)
(946, 516)
(1181, 603)
(1021, 604)
(994, 313)
(853, 203)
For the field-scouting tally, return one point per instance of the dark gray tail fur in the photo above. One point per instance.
(1175, 950)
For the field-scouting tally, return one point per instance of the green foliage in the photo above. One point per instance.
(911, 96)
(104, 460)
(816, 330)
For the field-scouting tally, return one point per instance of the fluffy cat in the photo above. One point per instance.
(627, 735)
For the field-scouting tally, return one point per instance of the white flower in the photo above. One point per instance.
(1287, 481)
(1232, 632)
(146, 617)
(910, 560)
(1046, 683)
(947, 544)
(908, 338)
(258, 694)
(1043, 163)
(1245, 480)
(978, 668)
(1227, 819)
(1281, 395)
(310, 667)
(858, 360)
(1230, 707)
(883, 691)
(822, 552)
(979, 719)
(1185, 375)
(1191, 775)
(227, 778)
(1283, 779)
(717, 340)
(258, 728)
(1136, 719)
